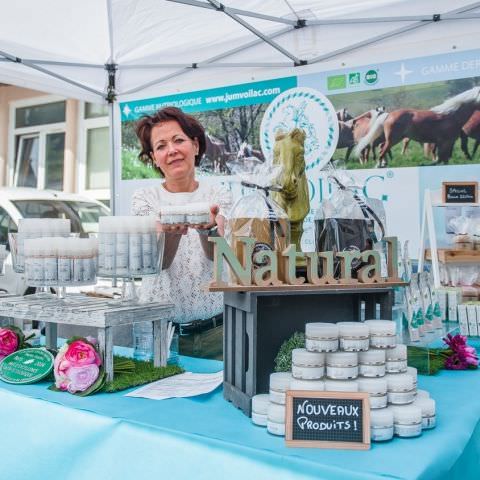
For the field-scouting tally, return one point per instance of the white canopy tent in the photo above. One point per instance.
(119, 50)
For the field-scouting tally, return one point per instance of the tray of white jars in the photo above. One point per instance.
(129, 247)
(60, 261)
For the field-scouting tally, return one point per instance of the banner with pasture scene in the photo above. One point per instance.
(420, 112)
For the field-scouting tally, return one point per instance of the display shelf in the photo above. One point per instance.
(448, 255)
(433, 199)
(100, 313)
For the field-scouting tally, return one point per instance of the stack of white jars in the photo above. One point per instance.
(353, 357)
(128, 246)
(60, 261)
(269, 410)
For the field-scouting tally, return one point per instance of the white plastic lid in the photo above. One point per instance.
(381, 417)
(321, 330)
(407, 414)
(260, 403)
(381, 327)
(301, 356)
(198, 208)
(352, 329)
(341, 386)
(397, 353)
(276, 413)
(280, 381)
(397, 382)
(372, 356)
(313, 385)
(342, 359)
(427, 405)
(413, 372)
(423, 394)
(372, 385)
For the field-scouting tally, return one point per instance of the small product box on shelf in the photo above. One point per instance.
(463, 319)
(472, 320)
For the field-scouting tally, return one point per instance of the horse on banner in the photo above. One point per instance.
(441, 125)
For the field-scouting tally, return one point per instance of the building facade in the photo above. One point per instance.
(50, 142)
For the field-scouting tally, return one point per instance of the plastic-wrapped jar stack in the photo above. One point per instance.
(128, 246)
(29, 228)
(60, 261)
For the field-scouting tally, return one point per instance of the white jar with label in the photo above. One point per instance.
(427, 406)
(423, 394)
(383, 333)
(407, 421)
(376, 389)
(321, 337)
(396, 359)
(354, 336)
(381, 425)
(311, 385)
(260, 405)
(307, 365)
(413, 372)
(372, 363)
(400, 389)
(276, 419)
(341, 386)
(342, 365)
(279, 384)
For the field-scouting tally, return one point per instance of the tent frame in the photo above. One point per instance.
(237, 15)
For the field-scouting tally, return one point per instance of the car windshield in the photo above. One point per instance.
(83, 215)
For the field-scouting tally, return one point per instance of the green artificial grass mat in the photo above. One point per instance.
(125, 376)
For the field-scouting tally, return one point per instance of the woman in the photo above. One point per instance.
(173, 143)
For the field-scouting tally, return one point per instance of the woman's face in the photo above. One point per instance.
(173, 151)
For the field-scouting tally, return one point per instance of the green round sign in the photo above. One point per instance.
(371, 77)
(26, 366)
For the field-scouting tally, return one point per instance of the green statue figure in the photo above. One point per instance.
(294, 197)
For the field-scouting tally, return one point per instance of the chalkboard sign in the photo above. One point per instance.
(460, 192)
(327, 420)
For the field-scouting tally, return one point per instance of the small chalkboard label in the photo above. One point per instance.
(460, 192)
(26, 366)
(327, 420)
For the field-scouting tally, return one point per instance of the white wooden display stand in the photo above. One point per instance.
(433, 199)
(92, 312)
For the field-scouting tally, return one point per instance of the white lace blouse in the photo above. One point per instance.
(184, 281)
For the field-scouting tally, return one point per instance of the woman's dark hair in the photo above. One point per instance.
(190, 125)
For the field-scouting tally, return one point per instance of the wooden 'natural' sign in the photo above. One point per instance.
(268, 268)
(327, 420)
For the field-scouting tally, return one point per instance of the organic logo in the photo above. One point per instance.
(336, 82)
(371, 77)
(354, 78)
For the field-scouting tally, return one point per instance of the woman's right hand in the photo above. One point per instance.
(176, 228)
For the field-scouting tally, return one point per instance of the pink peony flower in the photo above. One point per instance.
(463, 356)
(8, 342)
(82, 378)
(81, 353)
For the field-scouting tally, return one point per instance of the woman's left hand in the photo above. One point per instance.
(215, 219)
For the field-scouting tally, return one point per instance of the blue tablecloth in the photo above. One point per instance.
(54, 435)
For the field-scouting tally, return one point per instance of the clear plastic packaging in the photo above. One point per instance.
(256, 215)
(348, 220)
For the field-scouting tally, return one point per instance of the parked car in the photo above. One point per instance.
(17, 203)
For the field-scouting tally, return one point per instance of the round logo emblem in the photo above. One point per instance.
(371, 77)
(26, 366)
(310, 110)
